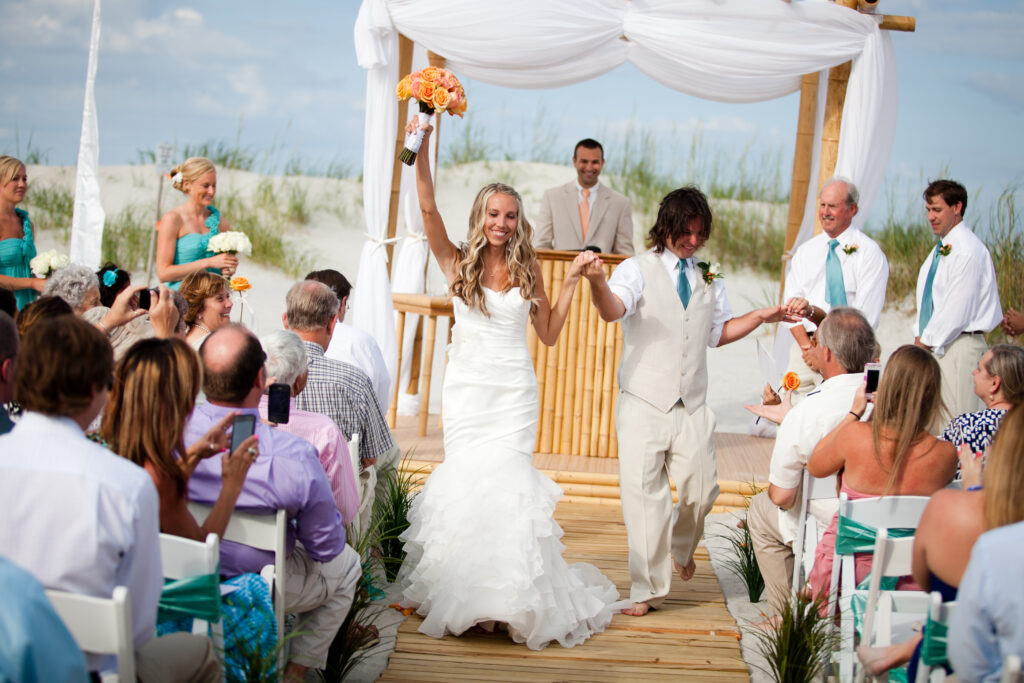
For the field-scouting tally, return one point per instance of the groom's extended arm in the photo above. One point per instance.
(608, 305)
(740, 327)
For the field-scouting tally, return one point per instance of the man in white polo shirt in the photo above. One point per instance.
(957, 296)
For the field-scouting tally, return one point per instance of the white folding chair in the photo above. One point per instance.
(184, 557)
(100, 626)
(366, 482)
(888, 512)
(938, 612)
(890, 615)
(1012, 670)
(265, 532)
(806, 539)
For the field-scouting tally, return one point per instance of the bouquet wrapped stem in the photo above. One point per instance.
(414, 140)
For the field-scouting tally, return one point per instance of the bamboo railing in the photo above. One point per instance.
(577, 377)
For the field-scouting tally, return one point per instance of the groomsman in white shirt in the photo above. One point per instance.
(957, 296)
(841, 266)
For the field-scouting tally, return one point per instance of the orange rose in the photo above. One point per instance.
(441, 99)
(240, 284)
(426, 92)
(404, 89)
(791, 381)
(431, 74)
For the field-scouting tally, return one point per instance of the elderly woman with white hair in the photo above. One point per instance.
(286, 364)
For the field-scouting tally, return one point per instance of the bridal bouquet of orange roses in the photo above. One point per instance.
(436, 90)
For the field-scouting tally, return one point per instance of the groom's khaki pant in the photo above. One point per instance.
(653, 444)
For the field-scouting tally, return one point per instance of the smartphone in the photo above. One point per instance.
(872, 371)
(278, 403)
(242, 428)
(146, 298)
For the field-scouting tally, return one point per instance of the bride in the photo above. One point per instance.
(482, 546)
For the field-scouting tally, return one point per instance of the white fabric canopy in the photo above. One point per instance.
(88, 217)
(725, 50)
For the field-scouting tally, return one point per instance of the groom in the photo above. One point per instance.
(670, 306)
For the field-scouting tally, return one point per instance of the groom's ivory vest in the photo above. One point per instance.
(664, 346)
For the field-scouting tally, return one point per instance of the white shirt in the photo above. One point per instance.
(627, 283)
(80, 518)
(865, 274)
(801, 430)
(965, 293)
(988, 622)
(352, 345)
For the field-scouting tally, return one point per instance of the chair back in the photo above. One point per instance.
(184, 557)
(939, 614)
(813, 488)
(264, 532)
(1012, 670)
(100, 626)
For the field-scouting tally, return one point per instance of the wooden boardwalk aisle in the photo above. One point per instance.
(692, 636)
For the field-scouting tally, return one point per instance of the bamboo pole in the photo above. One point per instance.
(599, 370)
(588, 383)
(572, 353)
(611, 362)
(414, 361)
(404, 66)
(550, 371)
(580, 379)
(428, 353)
(802, 162)
(393, 408)
(564, 340)
(613, 446)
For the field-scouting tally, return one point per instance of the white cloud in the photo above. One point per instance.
(1000, 86)
(187, 15)
(180, 34)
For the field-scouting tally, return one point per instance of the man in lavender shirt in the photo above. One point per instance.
(286, 364)
(321, 569)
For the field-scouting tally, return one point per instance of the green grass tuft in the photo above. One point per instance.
(798, 650)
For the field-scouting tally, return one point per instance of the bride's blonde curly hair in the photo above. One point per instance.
(519, 253)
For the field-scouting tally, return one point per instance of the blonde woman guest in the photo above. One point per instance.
(209, 305)
(892, 454)
(483, 546)
(17, 246)
(185, 231)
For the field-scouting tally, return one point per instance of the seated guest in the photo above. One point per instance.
(322, 569)
(1013, 322)
(42, 308)
(35, 645)
(339, 390)
(162, 377)
(352, 345)
(999, 383)
(8, 362)
(891, 455)
(209, 305)
(286, 364)
(986, 624)
(8, 302)
(77, 517)
(75, 284)
(112, 281)
(845, 343)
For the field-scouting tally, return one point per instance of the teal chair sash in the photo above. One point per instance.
(933, 643)
(194, 596)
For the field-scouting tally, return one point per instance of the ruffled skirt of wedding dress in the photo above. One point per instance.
(483, 546)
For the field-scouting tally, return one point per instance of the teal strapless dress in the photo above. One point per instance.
(193, 246)
(15, 255)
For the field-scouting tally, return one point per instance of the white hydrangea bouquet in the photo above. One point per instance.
(230, 242)
(44, 264)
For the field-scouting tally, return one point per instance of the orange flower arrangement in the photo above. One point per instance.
(239, 284)
(791, 381)
(436, 90)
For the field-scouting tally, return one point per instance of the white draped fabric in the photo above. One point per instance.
(89, 216)
(725, 50)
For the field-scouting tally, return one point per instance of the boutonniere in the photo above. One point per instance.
(710, 271)
(944, 249)
(849, 249)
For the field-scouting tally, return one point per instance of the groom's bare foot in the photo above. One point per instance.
(685, 573)
(637, 609)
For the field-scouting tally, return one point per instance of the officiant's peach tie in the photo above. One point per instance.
(585, 211)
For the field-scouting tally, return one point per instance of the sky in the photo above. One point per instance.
(281, 81)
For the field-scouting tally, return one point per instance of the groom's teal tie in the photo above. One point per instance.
(927, 306)
(835, 288)
(683, 284)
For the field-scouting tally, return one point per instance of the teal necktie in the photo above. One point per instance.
(926, 298)
(683, 284)
(835, 288)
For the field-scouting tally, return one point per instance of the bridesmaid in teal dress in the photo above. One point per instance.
(185, 231)
(17, 247)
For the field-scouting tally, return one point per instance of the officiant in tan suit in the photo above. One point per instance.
(584, 212)
(672, 307)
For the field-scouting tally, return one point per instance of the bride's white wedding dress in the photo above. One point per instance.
(482, 545)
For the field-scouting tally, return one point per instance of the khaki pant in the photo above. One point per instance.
(957, 364)
(320, 593)
(178, 657)
(774, 557)
(653, 445)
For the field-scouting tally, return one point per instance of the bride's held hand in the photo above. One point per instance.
(584, 260)
(414, 125)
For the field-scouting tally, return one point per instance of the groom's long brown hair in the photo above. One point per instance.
(676, 212)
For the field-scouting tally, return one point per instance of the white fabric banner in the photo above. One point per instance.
(88, 218)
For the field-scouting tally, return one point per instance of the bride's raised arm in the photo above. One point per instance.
(437, 237)
(548, 320)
